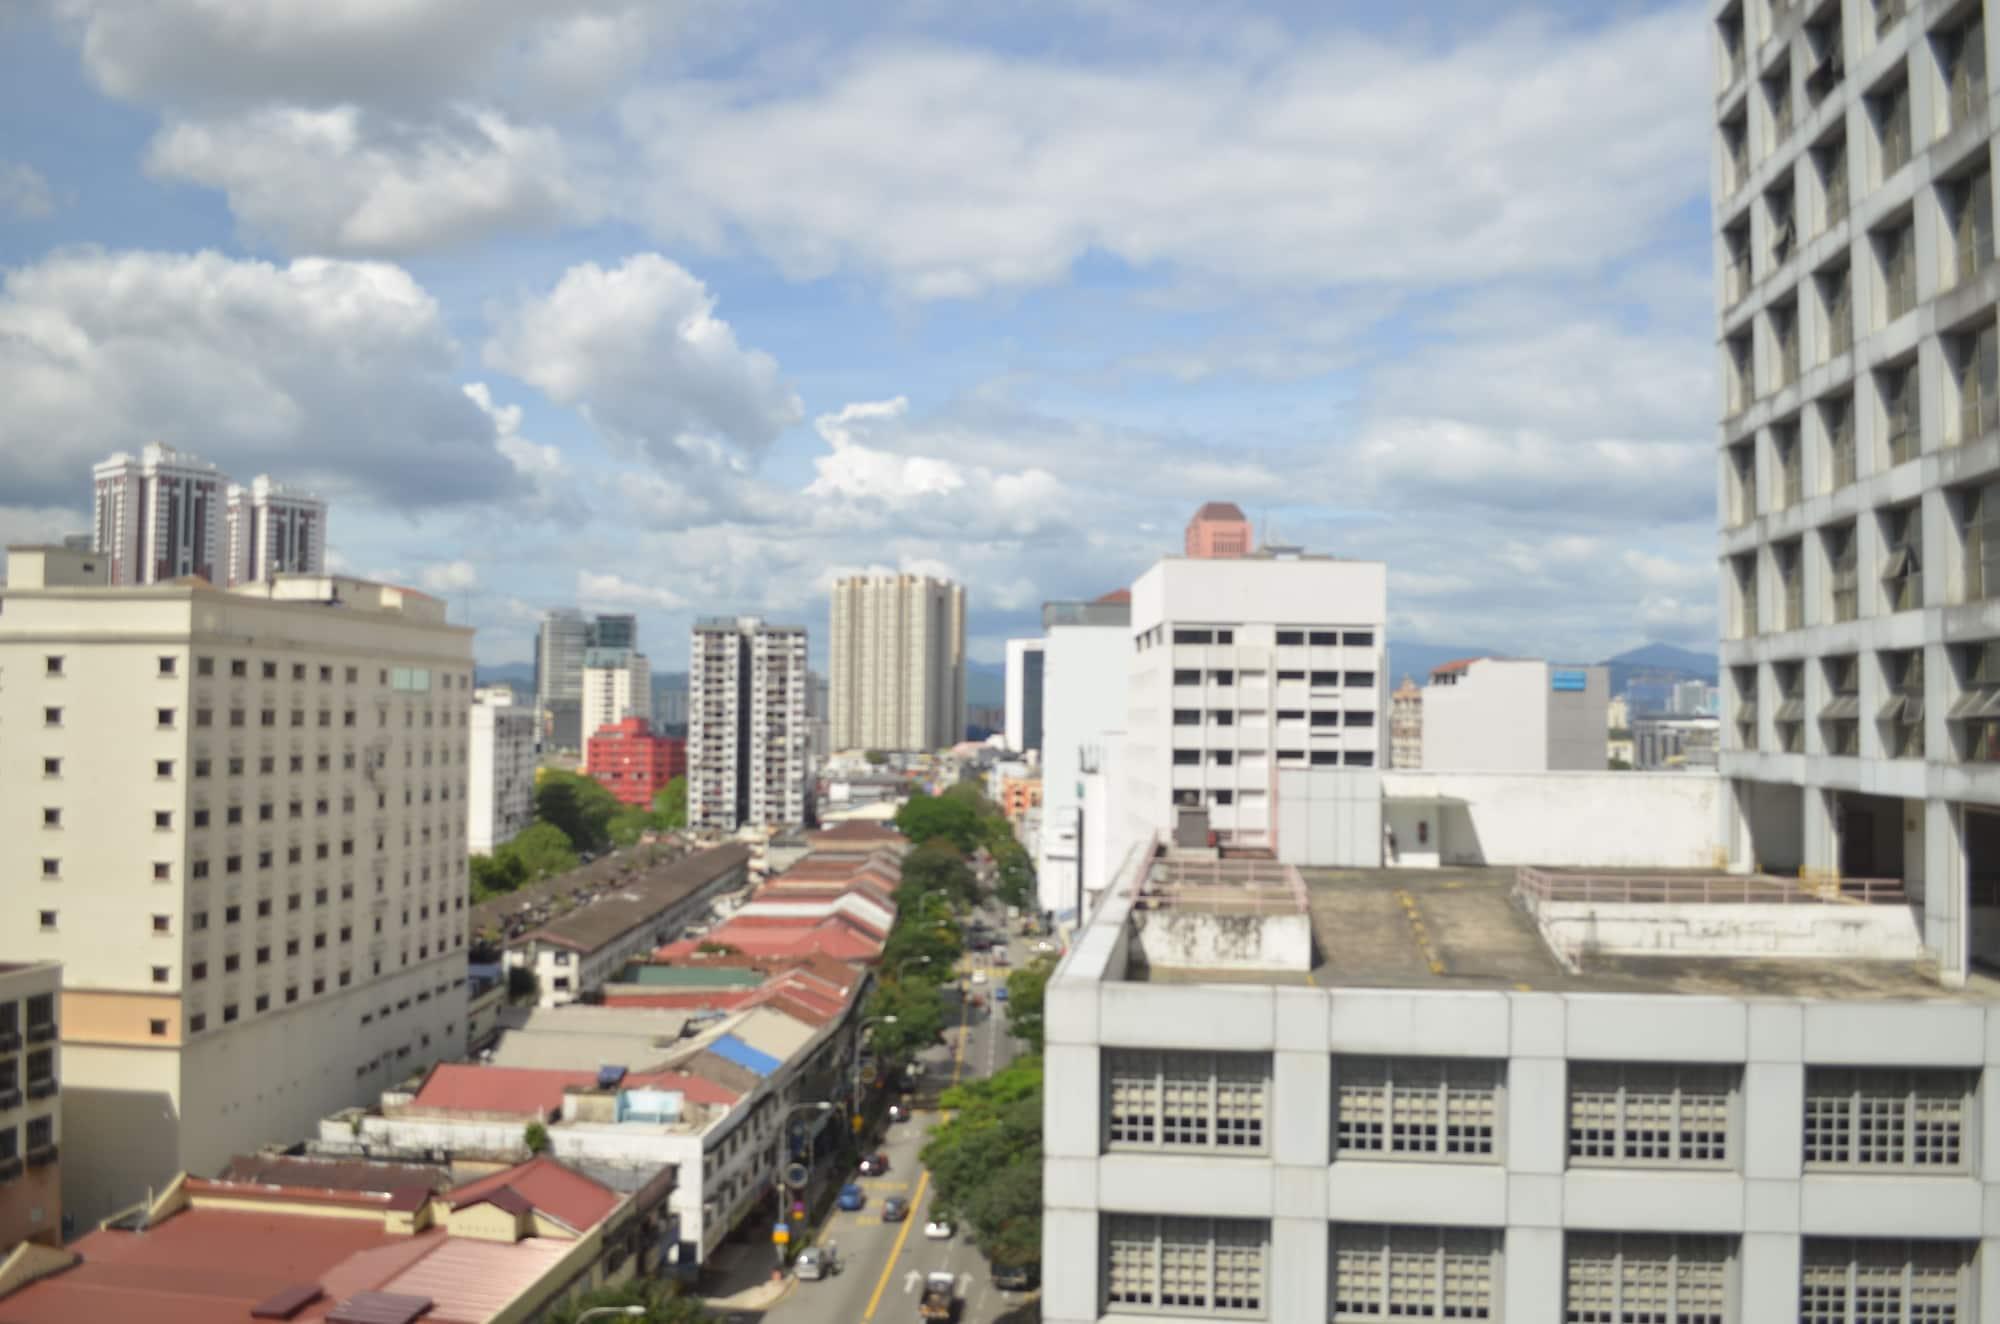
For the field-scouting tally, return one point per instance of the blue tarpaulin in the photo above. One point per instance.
(743, 1055)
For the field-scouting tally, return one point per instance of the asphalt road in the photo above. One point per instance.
(884, 1264)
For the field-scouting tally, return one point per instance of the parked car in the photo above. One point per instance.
(874, 1165)
(899, 1112)
(939, 1229)
(978, 976)
(895, 1209)
(1000, 956)
(1000, 993)
(851, 1197)
(1018, 1278)
(815, 1263)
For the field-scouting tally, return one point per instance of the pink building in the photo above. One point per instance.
(1218, 530)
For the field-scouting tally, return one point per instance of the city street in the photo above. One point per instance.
(884, 1264)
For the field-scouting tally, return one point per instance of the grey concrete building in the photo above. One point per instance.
(898, 663)
(747, 733)
(1859, 450)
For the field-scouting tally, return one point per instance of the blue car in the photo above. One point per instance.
(1000, 993)
(851, 1196)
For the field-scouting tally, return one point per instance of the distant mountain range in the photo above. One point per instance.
(1656, 662)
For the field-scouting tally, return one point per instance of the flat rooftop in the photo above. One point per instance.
(1459, 928)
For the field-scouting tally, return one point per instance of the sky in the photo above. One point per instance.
(690, 307)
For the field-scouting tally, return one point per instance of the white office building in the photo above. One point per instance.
(1256, 709)
(272, 529)
(747, 728)
(500, 779)
(1859, 450)
(158, 517)
(617, 684)
(1024, 694)
(1086, 667)
(1495, 714)
(898, 645)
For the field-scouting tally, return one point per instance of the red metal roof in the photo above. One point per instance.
(468, 1087)
(547, 1186)
(1116, 595)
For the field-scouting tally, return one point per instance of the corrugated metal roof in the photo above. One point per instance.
(693, 976)
(379, 1308)
(732, 1049)
(771, 1031)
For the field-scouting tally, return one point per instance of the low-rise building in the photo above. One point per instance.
(1492, 714)
(1406, 726)
(579, 949)
(1018, 795)
(633, 762)
(30, 1105)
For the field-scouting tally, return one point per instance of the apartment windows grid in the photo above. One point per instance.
(1968, 209)
(1174, 1265)
(1186, 1100)
(1975, 367)
(1911, 1121)
(1382, 1272)
(1417, 1107)
(1884, 1281)
(1629, 1278)
(1791, 715)
(1902, 714)
(1896, 251)
(1840, 717)
(1980, 516)
(1843, 565)
(1903, 569)
(1889, 112)
(1646, 1114)
(1975, 713)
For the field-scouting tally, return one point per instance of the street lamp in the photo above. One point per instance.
(778, 1174)
(909, 961)
(854, 1071)
(605, 1312)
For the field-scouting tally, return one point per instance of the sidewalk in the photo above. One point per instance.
(740, 1279)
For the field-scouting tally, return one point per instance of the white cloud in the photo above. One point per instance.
(640, 350)
(342, 180)
(335, 374)
(596, 590)
(449, 576)
(24, 192)
(951, 172)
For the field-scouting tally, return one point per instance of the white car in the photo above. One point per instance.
(938, 1229)
(978, 976)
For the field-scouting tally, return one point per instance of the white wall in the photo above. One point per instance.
(1083, 698)
(1557, 818)
(1016, 693)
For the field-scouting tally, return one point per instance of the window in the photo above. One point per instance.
(1902, 714)
(1645, 1114)
(1824, 69)
(1884, 1282)
(1194, 636)
(1843, 571)
(1981, 513)
(1840, 718)
(1783, 319)
(1961, 55)
(1787, 463)
(52, 666)
(229, 1013)
(51, 717)
(1908, 1120)
(1836, 300)
(1185, 1101)
(1213, 1266)
(48, 921)
(270, 670)
(1974, 358)
(1968, 209)
(1778, 98)
(1791, 715)
(1902, 570)
(1896, 251)
(1889, 112)
(1291, 638)
(1187, 717)
(1357, 717)
(164, 718)
(163, 924)
(204, 666)
(198, 971)
(1617, 1278)
(1182, 677)
(1360, 680)
(51, 867)
(1186, 757)
(1405, 1107)
(163, 820)
(51, 767)
(52, 818)
(1413, 1272)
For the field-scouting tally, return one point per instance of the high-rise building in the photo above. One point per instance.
(747, 761)
(501, 775)
(1086, 667)
(159, 516)
(560, 643)
(898, 663)
(617, 684)
(272, 530)
(1406, 726)
(1859, 490)
(1219, 529)
(244, 812)
(614, 632)
(1024, 694)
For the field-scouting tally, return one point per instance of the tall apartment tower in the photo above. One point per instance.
(241, 818)
(272, 530)
(159, 516)
(617, 684)
(1859, 450)
(1219, 529)
(747, 728)
(560, 643)
(898, 663)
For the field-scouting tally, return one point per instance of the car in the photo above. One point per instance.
(899, 1112)
(1000, 993)
(851, 1197)
(1046, 947)
(815, 1263)
(978, 976)
(939, 1229)
(874, 1165)
(895, 1209)
(1018, 1277)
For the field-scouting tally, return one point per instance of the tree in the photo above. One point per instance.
(920, 1017)
(1026, 989)
(1016, 885)
(541, 850)
(670, 806)
(924, 818)
(497, 874)
(986, 1162)
(923, 947)
(936, 866)
(628, 825)
(579, 806)
(662, 1306)
(536, 1137)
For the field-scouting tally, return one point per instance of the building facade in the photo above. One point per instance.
(1086, 664)
(271, 529)
(747, 732)
(1406, 726)
(1024, 694)
(1219, 529)
(898, 678)
(158, 516)
(243, 815)
(1256, 702)
(560, 642)
(500, 778)
(1859, 448)
(31, 1207)
(617, 684)
(630, 760)
(1492, 714)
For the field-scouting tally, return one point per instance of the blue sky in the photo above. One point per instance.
(690, 307)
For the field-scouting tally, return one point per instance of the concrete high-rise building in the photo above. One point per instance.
(244, 812)
(898, 662)
(1406, 726)
(1494, 714)
(31, 1139)
(746, 751)
(617, 684)
(1860, 487)
(272, 530)
(1024, 694)
(500, 777)
(614, 632)
(1086, 667)
(1257, 704)
(560, 643)
(1219, 529)
(159, 516)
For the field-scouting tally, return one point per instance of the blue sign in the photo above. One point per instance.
(1568, 682)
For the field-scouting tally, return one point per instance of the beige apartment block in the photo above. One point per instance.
(30, 1105)
(238, 819)
(898, 662)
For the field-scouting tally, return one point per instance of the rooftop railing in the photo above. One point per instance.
(1703, 889)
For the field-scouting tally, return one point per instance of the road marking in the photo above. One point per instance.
(896, 1251)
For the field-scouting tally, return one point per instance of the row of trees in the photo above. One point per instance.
(574, 815)
(968, 820)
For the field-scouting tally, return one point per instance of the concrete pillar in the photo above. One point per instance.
(1821, 829)
(1534, 1278)
(1733, 827)
(1945, 889)
(1769, 1275)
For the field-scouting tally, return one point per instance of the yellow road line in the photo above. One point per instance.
(896, 1251)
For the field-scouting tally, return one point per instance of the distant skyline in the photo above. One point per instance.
(623, 306)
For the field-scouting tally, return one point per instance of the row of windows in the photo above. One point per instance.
(1973, 717)
(38, 1138)
(416, 679)
(1164, 1264)
(1618, 1113)
(232, 1012)
(1226, 635)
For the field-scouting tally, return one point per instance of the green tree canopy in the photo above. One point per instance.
(986, 1162)
(542, 850)
(670, 805)
(1016, 883)
(937, 866)
(925, 818)
(628, 825)
(578, 805)
(1026, 988)
(920, 1017)
(496, 874)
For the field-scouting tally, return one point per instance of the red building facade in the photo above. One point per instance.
(632, 763)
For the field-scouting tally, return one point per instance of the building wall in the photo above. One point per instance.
(898, 663)
(1084, 678)
(1555, 818)
(615, 688)
(31, 1207)
(1505, 715)
(1025, 661)
(500, 778)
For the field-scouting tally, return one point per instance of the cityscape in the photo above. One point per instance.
(757, 701)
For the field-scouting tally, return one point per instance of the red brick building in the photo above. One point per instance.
(1219, 529)
(632, 763)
